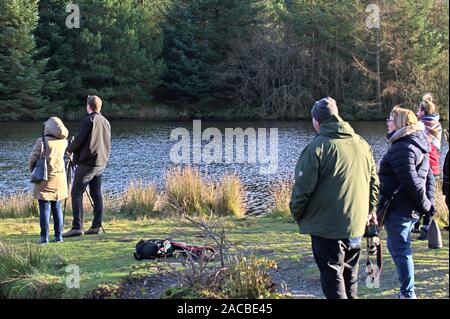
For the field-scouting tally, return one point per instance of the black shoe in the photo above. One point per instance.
(446, 228)
(73, 233)
(92, 231)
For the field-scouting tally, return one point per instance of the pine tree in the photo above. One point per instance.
(20, 74)
(51, 39)
(118, 52)
(197, 38)
(115, 53)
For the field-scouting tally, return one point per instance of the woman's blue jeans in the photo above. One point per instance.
(55, 207)
(398, 230)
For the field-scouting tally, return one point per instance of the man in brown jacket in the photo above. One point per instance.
(91, 148)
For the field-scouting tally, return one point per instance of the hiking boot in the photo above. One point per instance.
(73, 233)
(92, 231)
(423, 234)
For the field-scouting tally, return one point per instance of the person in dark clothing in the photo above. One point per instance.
(427, 114)
(406, 172)
(91, 149)
(445, 182)
(334, 196)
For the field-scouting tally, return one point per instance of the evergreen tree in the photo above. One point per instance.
(20, 74)
(197, 38)
(115, 53)
(52, 42)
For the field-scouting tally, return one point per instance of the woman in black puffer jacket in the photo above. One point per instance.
(405, 171)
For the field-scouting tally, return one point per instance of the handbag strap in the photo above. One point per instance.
(44, 147)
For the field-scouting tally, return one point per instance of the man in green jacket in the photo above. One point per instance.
(334, 197)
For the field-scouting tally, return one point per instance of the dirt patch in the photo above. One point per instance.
(142, 287)
(150, 287)
(296, 278)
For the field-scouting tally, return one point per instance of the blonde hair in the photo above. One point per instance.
(403, 117)
(427, 105)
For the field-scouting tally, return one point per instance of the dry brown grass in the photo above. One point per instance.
(230, 197)
(187, 192)
(139, 199)
(281, 195)
(21, 204)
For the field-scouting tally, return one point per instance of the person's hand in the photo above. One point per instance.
(372, 219)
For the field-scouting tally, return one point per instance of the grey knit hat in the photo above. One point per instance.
(324, 109)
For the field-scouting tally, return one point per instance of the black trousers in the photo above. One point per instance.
(338, 265)
(84, 176)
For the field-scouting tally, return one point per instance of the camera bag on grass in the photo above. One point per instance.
(156, 248)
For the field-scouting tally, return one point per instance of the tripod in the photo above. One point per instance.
(70, 171)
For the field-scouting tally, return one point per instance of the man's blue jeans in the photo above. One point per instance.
(45, 207)
(398, 230)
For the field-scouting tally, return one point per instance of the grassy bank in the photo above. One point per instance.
(107, 266)
(106, 259)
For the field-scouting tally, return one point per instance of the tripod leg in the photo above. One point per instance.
(90, 198)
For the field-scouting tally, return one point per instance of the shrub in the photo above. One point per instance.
(230, 197)
(249, 278)
(281, 195)
(139, 199)
(188, 193)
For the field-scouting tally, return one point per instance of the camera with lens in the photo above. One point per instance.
(371, 231)
(373, 239)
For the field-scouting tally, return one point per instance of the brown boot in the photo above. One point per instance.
(92, 231)
(73, 233)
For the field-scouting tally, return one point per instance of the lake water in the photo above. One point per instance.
(141, 150)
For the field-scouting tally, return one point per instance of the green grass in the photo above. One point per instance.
(27, 271)
(107, 258)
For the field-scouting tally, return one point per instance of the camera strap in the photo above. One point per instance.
(374, 260)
